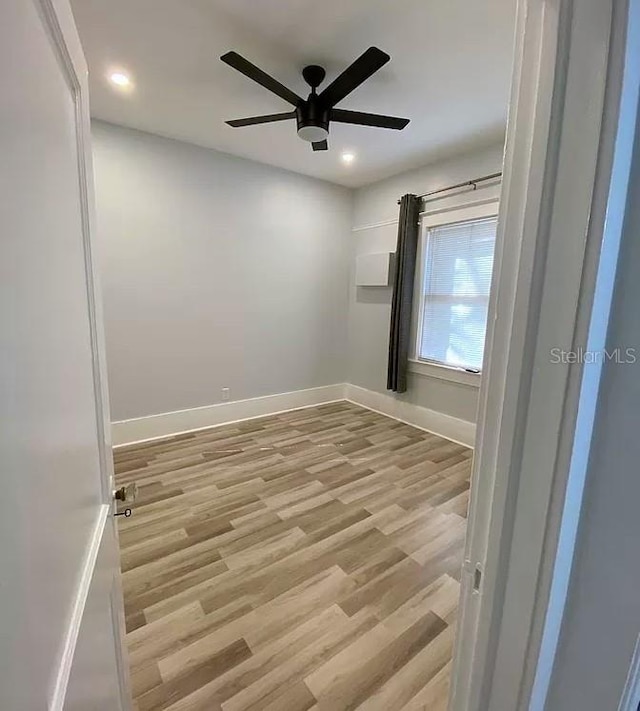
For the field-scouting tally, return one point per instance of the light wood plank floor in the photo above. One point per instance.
(304, 560)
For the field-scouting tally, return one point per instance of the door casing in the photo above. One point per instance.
(562, 130)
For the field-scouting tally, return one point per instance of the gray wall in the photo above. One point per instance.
(217, 272)
(370, 308)
(222, 272)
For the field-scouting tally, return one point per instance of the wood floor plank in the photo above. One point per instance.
(434, 694)
(269, 688)
(352, 687)
(306, 560)
(162, 696)
(185, 632)
(405, 684)
(276, 654)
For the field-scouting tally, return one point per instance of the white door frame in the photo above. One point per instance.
(557, 188)
(558, 162)
(58, 19)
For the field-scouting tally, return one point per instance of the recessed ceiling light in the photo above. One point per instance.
(120, 79)
(348, 157)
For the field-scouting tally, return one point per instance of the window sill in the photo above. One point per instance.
(444, 372)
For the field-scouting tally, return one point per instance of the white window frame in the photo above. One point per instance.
(437, 218)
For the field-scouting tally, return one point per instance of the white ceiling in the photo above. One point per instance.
(449, 73)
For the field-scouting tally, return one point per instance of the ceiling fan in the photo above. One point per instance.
(314, 114)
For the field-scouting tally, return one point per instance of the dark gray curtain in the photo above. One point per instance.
(405, 269)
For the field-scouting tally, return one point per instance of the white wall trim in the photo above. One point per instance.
(469, 198)
(373, 225)
(452, 428)
(170, 423)
(144, 429)
(441, 371)
(56, 702)
(468, 210)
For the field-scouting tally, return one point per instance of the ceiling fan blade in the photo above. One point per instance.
(366, 65)
(320, 146)
(233, 59)
(254, 120)
(364, 119)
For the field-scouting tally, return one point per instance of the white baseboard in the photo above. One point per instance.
(171, 423)
(166, 424)
(460, 431)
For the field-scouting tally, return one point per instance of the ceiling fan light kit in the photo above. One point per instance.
(314, 114)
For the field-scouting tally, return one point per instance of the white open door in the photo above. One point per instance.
(61, 606)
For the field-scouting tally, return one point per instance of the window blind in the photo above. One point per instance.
(455, 294)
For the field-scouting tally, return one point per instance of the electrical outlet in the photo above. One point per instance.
(225, 394)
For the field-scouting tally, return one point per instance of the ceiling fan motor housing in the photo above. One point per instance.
(312, 120)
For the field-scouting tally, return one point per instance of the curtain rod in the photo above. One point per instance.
(467, 184)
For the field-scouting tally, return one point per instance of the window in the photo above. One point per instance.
(454, 298)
